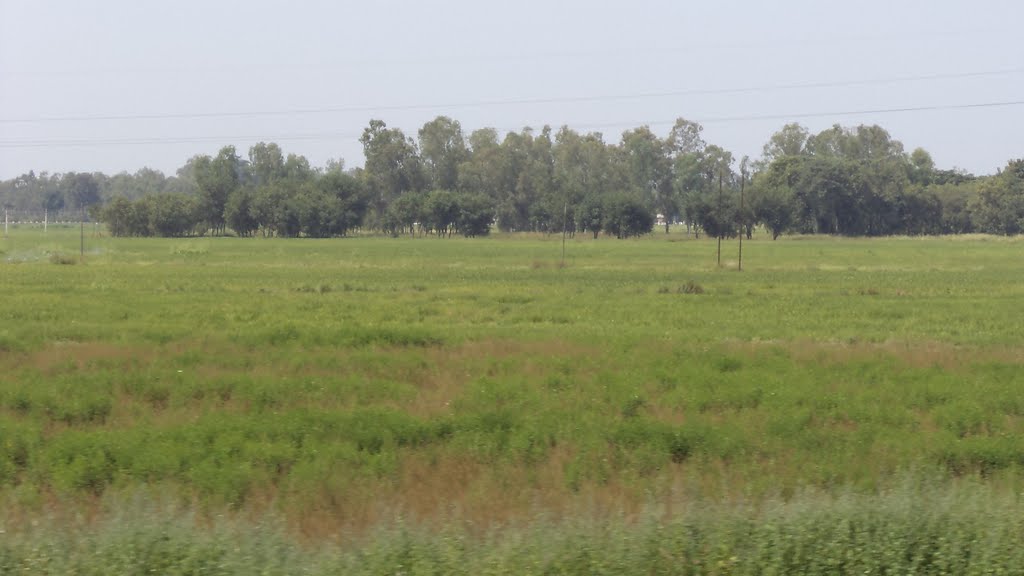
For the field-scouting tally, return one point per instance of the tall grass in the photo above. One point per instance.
(916, 528)
(335, 384)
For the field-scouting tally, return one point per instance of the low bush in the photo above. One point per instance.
(690, 287)
(62, 259)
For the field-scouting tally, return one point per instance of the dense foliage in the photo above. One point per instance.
(847, 181)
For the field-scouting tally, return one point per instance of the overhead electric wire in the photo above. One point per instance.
(330, 135)
(171, 140)
(864, 112)
(507, 102)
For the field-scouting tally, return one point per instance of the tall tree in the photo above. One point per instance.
(791, 140)
(650, 170)
(348, 201)
(266, 162)
(707, 177)
(522, 175)
(860, 143)
(443, 150)
(827, 195)
(685, 138)
(686, 149)
(580, 173)
(392, 165)
(239, 212)
(297, 168)
(999, 204)
(538, 177)
(922, 167)
(81, 190)
(216, 178)
(483, 168)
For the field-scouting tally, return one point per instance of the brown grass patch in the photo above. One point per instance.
(927, 354)
(451, 369)
(60, 356)
(436, 491)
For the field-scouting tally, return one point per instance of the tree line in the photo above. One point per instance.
(855, 181)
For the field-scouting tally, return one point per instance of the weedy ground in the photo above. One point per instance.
(465, 406)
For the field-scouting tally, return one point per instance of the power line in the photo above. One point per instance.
(333, 135)
(800, 115)
(511, 101)
(170, 140)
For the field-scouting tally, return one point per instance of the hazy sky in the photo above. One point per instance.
(324, 69)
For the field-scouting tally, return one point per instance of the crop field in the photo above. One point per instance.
(474, 406)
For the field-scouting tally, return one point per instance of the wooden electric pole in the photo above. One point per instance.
(565, 214)
(743, 223)
(718, 218)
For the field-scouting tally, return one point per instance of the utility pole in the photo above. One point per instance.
(81, 244)
(565, 214)
(743, 224)
(46, 218)
(5, 222)
(718, 218)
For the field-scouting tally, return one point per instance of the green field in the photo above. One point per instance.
(438, 406)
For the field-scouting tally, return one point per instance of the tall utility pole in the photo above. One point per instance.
(719, 218)
(743, 224)
(81, 244)
(5, 222)
(565, 215)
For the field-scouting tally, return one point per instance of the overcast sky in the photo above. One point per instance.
(206, 74)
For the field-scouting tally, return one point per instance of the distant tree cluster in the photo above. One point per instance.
(860, 182)
(847, 181)
(267, 194)
(69, 195)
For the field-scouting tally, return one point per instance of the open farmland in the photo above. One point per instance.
(463, 406)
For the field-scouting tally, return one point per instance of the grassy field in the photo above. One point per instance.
(377, 405)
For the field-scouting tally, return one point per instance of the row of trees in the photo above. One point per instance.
(398, 192)
(850, 181)
(860, 182)
(67, 195)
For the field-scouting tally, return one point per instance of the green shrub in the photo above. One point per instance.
(690, 287)
(64, 259)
